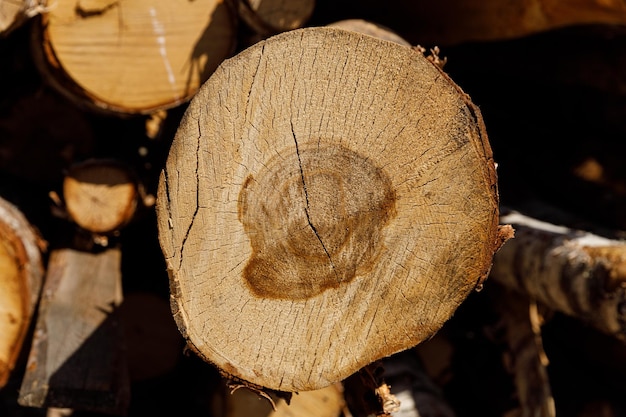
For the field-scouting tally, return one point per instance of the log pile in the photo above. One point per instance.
(264, 207)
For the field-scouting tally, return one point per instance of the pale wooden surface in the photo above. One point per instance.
(77, 359)
(335, 206)
(370, 28)
(100, 196)
(134, 57)
(21, 277)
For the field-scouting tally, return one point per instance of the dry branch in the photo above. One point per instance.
(316, 219)
(571, 271)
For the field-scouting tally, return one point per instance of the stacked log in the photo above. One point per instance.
(269, 207)
(135, 57)
(21, 276)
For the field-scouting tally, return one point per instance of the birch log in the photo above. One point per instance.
(571, 271)
(314, 211)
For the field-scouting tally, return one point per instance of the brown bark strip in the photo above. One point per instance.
(572, 271)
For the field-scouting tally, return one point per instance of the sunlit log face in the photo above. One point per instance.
(314, 220)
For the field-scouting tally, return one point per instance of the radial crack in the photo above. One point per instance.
(306, 198)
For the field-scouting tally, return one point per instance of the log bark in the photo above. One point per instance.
(316, 219)
(132, 57)
(572, 271)
(77, 358)
(21, 277)
(100, 196)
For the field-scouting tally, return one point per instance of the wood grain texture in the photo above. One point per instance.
(100, 196)
(329, 199)
(572, 271)
(77, 359)
(133, 57)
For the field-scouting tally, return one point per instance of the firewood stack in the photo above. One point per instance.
(355, 208)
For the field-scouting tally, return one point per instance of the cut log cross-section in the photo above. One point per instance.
(133, 57)
(21, 277)
(329, 199)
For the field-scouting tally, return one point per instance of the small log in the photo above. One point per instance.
(132, 57)
(77, 359)
(316, 219)
(268, 17)
(100, 196)
(571, 271)
(21, 276)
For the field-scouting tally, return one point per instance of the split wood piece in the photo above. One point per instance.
(571, 271)
(133, 57)
(325, 402)
(317, 218)
(525, 358)
(77, 358)
(100, 196)
(369, 28)
(14, 13)
(449, 22)
(21, 277)
(268, 17)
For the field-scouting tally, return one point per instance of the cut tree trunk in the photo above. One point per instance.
(318, 217)
(100, 196)
(21, 276)
(571, 271)
(77, 358)
(133, 57)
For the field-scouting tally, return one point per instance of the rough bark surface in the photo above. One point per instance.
(133, 57)
(572, 271)
(21, 276)
(329, 199)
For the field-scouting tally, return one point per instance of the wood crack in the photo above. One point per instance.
(306, 198)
